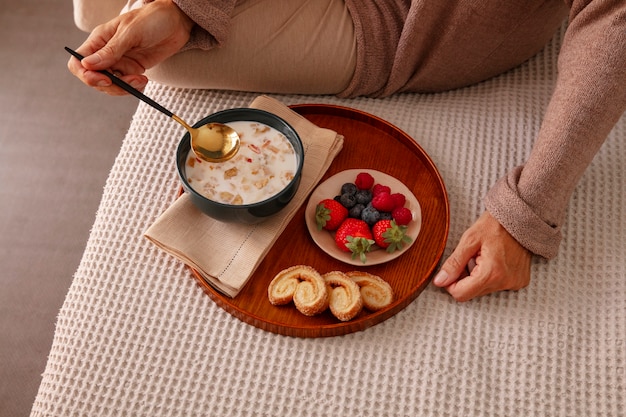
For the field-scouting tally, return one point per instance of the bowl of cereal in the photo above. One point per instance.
(258, 181)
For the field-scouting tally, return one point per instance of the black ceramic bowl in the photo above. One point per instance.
(245, 213)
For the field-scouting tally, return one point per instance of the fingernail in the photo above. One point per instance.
(471, 264)
(103, 83)
(92, 59)
(441, 278)
(136, 84)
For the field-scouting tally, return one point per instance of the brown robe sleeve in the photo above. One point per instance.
(589, 98)
(212, 20)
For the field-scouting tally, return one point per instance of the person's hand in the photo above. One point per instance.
(131, 43)
(494, 260)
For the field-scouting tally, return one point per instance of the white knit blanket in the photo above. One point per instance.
(136, 336)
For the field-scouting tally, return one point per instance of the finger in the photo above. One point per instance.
(455, 267)
(488, 276)
(138, 82)
(91, 78)
(77, 67)
(101, 50)
(96, 40)
(471, 264)
(126, 69)
(110, 46)
(479, 282)
(473, 285)
(104, 60)
(466, 289)
(102, 83)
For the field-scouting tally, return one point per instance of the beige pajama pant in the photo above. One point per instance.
(284, 46)
(273, 46)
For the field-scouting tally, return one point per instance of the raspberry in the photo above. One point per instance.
(379, 188)
(402, 215)
(383, 201)
(364, 181)
(398, 199)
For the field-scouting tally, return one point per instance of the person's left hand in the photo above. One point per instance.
(494, 259)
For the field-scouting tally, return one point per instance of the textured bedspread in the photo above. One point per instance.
(136, 335)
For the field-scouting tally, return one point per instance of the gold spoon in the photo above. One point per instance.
(212, 142)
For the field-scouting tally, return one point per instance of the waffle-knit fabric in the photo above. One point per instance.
(137, 337)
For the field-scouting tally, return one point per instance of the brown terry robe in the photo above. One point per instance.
(429, 46)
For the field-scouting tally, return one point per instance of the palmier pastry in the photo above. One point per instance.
(302, 284)
(345, 297)
(375, 291)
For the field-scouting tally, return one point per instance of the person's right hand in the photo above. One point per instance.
(131, 43)
(486, 260)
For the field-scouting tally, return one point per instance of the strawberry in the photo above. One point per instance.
(398, 199)
(329, 214)
(354, 236)
(383, 201)
(388, 235)
(402, 215)
(364, 181)
(379, 188)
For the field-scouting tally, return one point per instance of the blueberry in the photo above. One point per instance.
(348, 188)
(363, 196)
(385, 215)
(370, 215)
(337, 198)
(355, 211)
(347, 200)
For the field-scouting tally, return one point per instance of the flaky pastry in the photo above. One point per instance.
(375, 291)
(302, 284)
(345, 297)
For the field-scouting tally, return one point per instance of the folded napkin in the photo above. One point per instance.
(227, 254)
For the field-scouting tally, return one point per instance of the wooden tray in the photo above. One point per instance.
(370, 142)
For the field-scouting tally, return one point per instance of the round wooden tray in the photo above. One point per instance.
(369, 142)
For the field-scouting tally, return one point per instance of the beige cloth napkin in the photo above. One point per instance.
(227, 254)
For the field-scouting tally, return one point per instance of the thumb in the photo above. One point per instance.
(456, 264)
(106, 45)
(104, 57)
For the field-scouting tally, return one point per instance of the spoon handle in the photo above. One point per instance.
(126, 87)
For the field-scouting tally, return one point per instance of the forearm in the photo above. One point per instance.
(589, 97)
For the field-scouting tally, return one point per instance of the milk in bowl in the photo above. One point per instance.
(265, 164)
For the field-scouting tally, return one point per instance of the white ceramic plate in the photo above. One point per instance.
(332, 187)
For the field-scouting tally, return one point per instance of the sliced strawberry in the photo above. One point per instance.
(329, 214)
